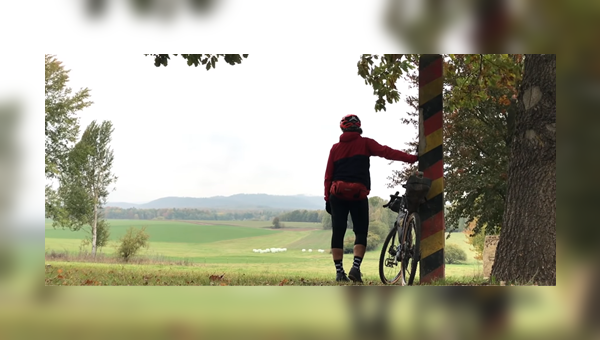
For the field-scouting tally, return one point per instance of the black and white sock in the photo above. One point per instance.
(357, 262)
(338, 266)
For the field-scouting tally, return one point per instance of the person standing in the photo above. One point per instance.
(347, 185)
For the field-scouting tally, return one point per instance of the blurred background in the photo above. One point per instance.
(29, 310)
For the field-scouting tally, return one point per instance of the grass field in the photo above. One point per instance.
(222, 247)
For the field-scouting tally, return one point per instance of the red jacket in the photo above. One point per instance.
(349, 159)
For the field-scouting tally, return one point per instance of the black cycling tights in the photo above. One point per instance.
(359, 211)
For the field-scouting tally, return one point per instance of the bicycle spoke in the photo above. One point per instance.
(389, 267)
(411, 253)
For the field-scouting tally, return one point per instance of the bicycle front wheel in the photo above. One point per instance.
(389, 267)
(411, 239)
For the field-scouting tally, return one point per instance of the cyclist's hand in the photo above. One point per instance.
(328, 207)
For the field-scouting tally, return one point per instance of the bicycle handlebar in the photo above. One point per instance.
(392, 197)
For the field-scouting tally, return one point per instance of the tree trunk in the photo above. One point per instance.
(95, 228)
(526, 251)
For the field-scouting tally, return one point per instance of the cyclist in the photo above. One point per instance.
(347, 185)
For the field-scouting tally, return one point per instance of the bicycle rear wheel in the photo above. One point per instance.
(411, 239)
(389, 267)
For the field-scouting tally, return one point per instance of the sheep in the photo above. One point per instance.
(303, 250)
(272, 250)
(321, 251)
(310, 250)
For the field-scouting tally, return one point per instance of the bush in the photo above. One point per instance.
(379, 228)
(131, 243)
(277, 223)
(453, 254)
(373, 241)
(475, 240)
(349, 245)
(326, 222)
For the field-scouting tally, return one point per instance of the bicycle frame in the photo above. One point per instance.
(399, 254)
(407, 253)
(402, 209)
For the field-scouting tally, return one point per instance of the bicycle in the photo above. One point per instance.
(402, 244)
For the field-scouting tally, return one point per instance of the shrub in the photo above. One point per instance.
(326, 222)
(453, 254)
(373, 241)
(131, 243)
(277, 223)
(349, 245)
(475, 240)
(379, 228)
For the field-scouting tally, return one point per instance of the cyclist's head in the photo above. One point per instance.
(350, 123)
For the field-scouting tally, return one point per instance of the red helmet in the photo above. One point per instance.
(350, 122)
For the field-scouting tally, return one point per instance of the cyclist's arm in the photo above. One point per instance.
(328, 175)
(386, 152)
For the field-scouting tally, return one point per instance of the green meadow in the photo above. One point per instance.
(224, 248)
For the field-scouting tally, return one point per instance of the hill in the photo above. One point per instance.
(239, 201)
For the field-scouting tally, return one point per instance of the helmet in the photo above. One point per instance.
(350, 123)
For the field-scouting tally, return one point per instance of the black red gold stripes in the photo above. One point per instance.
(431, 163)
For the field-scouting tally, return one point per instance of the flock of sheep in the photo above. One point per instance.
(279, 250)
(310, 250)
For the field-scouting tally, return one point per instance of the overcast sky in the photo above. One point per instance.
(263, 126)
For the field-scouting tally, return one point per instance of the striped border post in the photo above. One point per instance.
(431, 163)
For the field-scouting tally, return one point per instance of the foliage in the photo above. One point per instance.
(303, 216)
(102, 233)
(326, 222)
(479, 126)
(133, 240)
(476, 240)
(61, 122)
(373, 241)
(102, 236)
(377, 233)
(453, 254)
(209, 60)
(349, 244)
(382, 73)
(380, 218)
(379, 228)
(84, 184)
(479, 105)
(190, 214)
(277, 224)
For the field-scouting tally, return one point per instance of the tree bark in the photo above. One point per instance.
(526, 250)
(95, 227)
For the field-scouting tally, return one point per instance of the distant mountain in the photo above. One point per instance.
(123, 205)
(239, 201)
